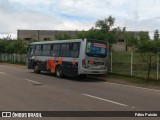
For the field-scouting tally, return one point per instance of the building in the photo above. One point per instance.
(120, 46)
(44, 35)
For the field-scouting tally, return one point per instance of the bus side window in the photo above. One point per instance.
(38, 50)
(65, 50)
(46, 50)
(75, 50)
(55, 50)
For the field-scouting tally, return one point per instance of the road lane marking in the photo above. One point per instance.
(3, 73)
(105, 100)
(132, 86)
(32, 81)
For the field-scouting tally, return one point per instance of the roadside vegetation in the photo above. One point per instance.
(11, 46)
(133, 80)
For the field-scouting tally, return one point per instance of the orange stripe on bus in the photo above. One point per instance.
(51, 64)
(60, 60)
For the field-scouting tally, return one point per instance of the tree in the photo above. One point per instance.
(93, 33)
(156, 35)
(106, 24)
(2, 46)
(102, 31)
(63, 36)
(144, 36)
(10, 47)
(13, 46)
(149, 49)
(130, 39)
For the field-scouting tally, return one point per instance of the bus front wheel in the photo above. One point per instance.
(58, 72)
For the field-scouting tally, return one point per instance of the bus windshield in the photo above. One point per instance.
(96, 49)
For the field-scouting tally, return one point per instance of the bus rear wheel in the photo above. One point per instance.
(58, 72)
(36, 69)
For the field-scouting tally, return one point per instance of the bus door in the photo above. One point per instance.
(30, 57)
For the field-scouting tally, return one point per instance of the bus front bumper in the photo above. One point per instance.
(88, 71)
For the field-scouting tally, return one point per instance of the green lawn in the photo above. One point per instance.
(121, 64)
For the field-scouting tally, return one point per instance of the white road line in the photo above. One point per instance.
(132, 86)
(32, 81)
(106, 100)
(3, 73)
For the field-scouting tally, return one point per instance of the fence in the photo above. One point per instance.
(132, 64)
(14, 58)
(120, 63)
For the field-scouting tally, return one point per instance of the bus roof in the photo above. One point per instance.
(56, 41)
(65, 41)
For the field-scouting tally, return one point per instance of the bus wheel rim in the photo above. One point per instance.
(58, 72)
(35, 68)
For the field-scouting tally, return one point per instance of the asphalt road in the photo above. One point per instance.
(23, 90)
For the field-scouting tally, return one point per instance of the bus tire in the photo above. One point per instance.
(36, 69)
(58, 71)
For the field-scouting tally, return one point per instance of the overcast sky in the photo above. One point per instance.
(136, 15)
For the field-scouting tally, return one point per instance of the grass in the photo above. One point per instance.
(134, 80)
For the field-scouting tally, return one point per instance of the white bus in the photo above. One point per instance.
(77, 57)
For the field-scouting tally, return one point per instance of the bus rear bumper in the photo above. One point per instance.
(86, 71)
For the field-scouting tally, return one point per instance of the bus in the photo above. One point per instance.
(77, 57)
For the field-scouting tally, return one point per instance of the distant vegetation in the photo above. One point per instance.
(64, 37)
(14, 46)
